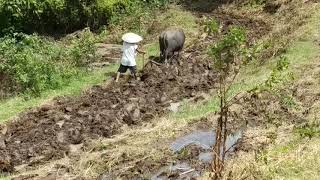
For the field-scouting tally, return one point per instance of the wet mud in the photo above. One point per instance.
(46, 132)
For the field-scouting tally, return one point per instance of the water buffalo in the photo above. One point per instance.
(171, 41)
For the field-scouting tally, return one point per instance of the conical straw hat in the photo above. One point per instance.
(131, 38)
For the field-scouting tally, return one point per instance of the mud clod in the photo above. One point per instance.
(48, 131)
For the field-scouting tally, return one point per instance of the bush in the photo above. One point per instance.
(37, 64)
(65, 16)
(56, 16)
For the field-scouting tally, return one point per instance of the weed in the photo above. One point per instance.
(58, 16)
(308, 130)
(275, 77)
(211, 26)
(287, 101)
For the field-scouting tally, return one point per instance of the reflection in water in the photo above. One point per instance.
(200, 138)
(204, 140)
(180, 170)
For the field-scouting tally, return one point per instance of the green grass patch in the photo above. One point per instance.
(310, 129)
(151, 50)
(3, 177)
(296, 160)
(32, 64)
(178, 18)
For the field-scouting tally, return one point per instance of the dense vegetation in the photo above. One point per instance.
(31, 63)
(62, 16)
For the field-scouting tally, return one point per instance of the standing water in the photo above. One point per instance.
(205, 141)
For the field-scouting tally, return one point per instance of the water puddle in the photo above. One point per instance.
(202, 139)
(178, 171)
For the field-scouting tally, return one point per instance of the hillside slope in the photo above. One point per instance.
(125, 130)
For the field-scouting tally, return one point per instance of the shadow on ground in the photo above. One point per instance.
(203, 6)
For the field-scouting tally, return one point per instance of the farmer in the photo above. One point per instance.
(129, 49)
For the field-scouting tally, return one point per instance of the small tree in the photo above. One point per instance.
(228, 57)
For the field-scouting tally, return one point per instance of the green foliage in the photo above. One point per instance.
(64, 16)
(225, 53)
(287, 101)
(229, 49)
(308, 130)
(82, 50)
(137, 16)
(211, 26)
(276, 76)
(37, 64)
(252, 53)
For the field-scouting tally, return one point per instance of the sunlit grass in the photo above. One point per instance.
(3, 177)
(296, 160)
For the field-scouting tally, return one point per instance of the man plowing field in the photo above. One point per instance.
(129, 51)
(170, 41)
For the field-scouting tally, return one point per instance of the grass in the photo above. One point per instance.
(296, 156)
(4, 177)
(300, 54)
(177, 18)
(296, 160)
(12, 107)
(151, 49)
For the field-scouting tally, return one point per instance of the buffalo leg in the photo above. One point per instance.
(166, 57)
(179, 56)
(171, 57)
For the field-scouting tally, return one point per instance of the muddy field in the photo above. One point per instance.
(46, 132)
(254, 111)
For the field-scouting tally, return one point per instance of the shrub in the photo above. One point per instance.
(37, 64)
(226, 53)
(56, 16)
(65, 16)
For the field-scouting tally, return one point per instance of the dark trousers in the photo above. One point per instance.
(123, 69)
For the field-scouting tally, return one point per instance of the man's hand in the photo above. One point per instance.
(140, 51)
